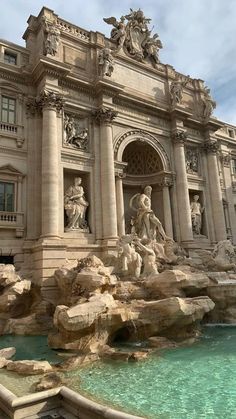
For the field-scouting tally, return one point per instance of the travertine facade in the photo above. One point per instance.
(75, 105)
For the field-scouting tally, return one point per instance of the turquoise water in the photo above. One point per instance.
(186, 383)
(30, 347)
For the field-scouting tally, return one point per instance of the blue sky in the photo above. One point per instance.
(198, 36)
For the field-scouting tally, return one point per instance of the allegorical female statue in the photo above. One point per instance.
(76, 206)
(146, 224)
(196, 215)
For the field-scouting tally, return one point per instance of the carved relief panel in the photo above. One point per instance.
(75, 133)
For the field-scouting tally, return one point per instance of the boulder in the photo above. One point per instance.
(29, 367)
(7, 353)
(117, 355)
(64, 279)
(12, 293)
(77, 361)
(161, 342)
(176, 283)
(3, 362)
(51, 380)
(8, 275)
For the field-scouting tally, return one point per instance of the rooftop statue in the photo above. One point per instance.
(176, 89)
(132, 35)
(208, 104)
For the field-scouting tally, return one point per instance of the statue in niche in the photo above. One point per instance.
(73, 136)
(130, 259)
(176, 89)
(134, 37)
(52, 39)
(76, 206)
(208, 104)
(191, 160)
(105, 62)
(146, 225)
(196, 215)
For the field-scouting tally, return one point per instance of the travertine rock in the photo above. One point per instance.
(161, 342)
(7, 353)
(8, 275)
(29, 367)
(51, 380)
(3, 362)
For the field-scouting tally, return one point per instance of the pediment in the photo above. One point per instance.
(8, 169)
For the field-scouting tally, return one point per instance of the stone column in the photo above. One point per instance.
(51, 103)
(166, 183)
(226, 165)
(120, 205)
(105, 116)
(211, 147)
(185, 223)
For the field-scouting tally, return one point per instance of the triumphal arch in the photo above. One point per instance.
(92, 128)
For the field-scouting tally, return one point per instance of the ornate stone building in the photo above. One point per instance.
(86, 123)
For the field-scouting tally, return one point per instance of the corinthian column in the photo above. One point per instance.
(51, 103)
(185, 223)
(104, 117)
(120, 205)
(211, 147)
(166, 183)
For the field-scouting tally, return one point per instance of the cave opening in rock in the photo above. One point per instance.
(121, 335)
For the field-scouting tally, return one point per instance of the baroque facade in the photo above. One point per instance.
(88, 122)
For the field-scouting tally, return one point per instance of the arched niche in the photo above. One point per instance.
(146, 163)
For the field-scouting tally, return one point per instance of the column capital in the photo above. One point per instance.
(104, 115)
(50, 99)
(211, 146)
(179, 137)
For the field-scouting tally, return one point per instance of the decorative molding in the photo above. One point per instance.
(104, 115)
(140, 135)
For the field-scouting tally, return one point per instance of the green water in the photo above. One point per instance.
(186, 383)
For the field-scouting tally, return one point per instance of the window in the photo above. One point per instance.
(231, 133)
(6, 196)
(8, 110)
(10, 58)
(234, 166)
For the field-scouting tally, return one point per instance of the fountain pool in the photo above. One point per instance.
(183, 383)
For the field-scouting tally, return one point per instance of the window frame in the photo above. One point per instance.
(8, 110)
(10, 54)
(5, 183)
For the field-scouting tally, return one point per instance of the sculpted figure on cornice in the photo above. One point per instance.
(176, 89)
(105, 62)
(192, 160)
(134, 37)
(208, 104)
(73, 135)
(52, 39)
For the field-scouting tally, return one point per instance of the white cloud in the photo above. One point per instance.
(198, 35)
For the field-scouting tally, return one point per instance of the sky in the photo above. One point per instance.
(198, 36)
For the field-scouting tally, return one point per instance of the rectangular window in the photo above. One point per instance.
(6, 196)
(234, 166)
(10, 58)
(231, 133)
(8, 110)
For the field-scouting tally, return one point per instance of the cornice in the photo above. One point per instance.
(51, 67)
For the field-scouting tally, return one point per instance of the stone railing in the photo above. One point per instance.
(58, 402)
(73, 30)
(12, 220)
(9, 128)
